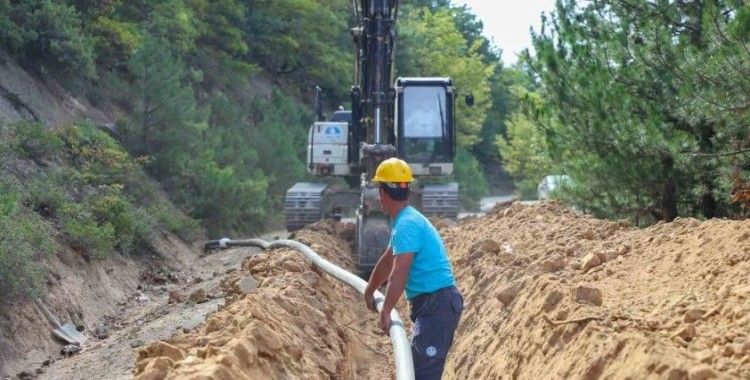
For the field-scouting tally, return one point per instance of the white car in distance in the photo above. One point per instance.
(551, 183)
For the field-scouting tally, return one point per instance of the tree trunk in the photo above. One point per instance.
(669, 196)
(708, 202)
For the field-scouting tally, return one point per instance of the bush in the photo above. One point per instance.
(224, 201)
(33, 140)
(46, 194)
(24, 244)
(471, 180)
(98, 157)
(83, 232)
(107, 221)
(175, 221)
(131, 226)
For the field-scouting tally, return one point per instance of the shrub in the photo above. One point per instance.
(33, 140)
(46, 194)
(471, 180)
(24, 244)
(97, 156)
(175, 221)
(131, 226)
(83, 232)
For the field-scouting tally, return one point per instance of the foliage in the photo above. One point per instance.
(201, 116)
(175, 221)
(283, 130)
(25, 241)
(221, 199)
(303, 40)
(646, 103)
(98, 158)
(47, 31)
(90, 196)
(46, 193)
(132, 227)
(421, 32)
(524, 151)
(471, 180)
(93, 239)
(32, 140)
(166, 116)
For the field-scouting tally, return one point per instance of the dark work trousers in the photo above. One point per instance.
(435, 316)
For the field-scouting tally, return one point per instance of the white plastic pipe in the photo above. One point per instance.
(397, 331)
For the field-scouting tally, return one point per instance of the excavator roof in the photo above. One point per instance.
(442, 81)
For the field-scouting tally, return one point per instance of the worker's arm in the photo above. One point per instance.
(396, 284)
(378, 277)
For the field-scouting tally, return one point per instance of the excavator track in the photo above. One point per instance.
(303, 204)
(440, 200)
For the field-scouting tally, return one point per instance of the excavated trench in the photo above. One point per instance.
(549, 293)
(282, 318)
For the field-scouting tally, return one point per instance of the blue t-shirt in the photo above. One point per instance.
(430, 269)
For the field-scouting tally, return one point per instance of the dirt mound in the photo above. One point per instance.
(282, 319)
(550, 293)
(554, 294)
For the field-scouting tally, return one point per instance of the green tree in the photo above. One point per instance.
(166, 116)
(524, 151)
(620, 77)
(469, 175)
(303, 41)
(47, 34)
(431, 45)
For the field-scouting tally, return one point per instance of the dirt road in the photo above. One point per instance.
(152, 316)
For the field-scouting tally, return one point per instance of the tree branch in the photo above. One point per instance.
(736, 152)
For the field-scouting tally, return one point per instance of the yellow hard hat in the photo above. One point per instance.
(393, 170)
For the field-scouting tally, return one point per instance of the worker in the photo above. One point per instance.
(415, 261)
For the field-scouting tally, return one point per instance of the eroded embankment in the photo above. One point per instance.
(282, 319)
(554, 294)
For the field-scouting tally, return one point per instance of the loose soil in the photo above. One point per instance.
(283, 318)
(550, 293)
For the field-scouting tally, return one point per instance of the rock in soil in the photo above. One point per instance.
(701, 372)
(246, 284)
(101, 331)
(70, 349)
(198, 296)
(176, 296)
(27, 375)
(588, 294)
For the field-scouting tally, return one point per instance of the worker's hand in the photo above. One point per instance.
(385, 321)
(370, 298)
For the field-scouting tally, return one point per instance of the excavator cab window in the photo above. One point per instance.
(425, 124)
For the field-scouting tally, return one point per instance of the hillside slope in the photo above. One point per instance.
(78, 285)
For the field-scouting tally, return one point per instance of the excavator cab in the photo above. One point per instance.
(425, 136)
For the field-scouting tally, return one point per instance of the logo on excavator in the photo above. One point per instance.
(332, 132)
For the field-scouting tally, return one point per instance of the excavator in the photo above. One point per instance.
(410, 117)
